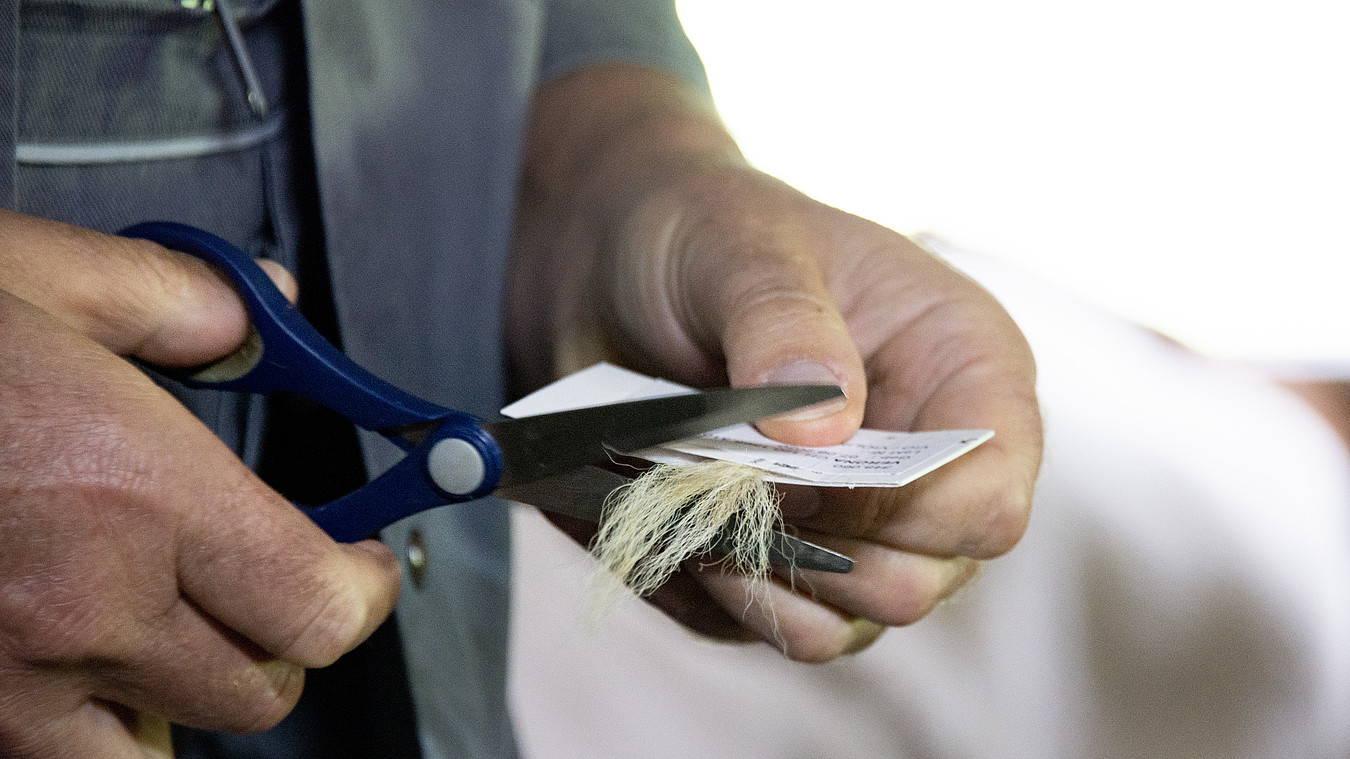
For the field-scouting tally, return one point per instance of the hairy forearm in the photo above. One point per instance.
(600, 141)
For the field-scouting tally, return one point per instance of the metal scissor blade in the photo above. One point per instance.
(791, 551)
(540, 446)
(582, 492)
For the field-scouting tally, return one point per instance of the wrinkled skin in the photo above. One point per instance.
(660, 248)
(147, 573)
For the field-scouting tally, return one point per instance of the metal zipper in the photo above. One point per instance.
(257, 101)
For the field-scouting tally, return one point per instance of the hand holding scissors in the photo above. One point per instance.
(451, 456)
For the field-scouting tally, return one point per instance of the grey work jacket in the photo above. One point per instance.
(418, 110)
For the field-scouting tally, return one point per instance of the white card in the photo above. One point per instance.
(871, 458)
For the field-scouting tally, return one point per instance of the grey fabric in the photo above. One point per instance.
(9, 77)
(97, 72)
(648, 32)
(418, 111)
(148, 68)
(154, 149)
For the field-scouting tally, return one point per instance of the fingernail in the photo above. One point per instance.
(807, 373)
(863, 633)
(283, 279)
(965, 574)
(280, 674)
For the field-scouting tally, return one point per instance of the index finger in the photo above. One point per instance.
(261, 567)
(976, 506)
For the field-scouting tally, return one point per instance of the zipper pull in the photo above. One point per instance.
(257, 101)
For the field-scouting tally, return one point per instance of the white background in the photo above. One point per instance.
(1185, 163)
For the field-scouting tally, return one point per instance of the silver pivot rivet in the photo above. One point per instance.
(456, 466)
(416, 553)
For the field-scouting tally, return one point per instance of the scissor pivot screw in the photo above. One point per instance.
(456, 466)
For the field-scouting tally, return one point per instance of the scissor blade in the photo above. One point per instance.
(540, 446)
(582, 493)
(791, 551)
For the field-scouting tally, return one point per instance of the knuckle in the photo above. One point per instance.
(161, 279)
(47, 621)
(388, 567)
(272, 701)
(333, 624)
(155, 265)
(818, 649)
(152, 288)
(19, 739)
(910, 600)
(778, 307)
(902, 610)
(812, 651)
(1005, 522)
(113, 286)
(50, 642)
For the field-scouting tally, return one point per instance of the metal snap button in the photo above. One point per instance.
(416, 554)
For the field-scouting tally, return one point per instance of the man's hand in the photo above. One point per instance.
(145, 570)
(646, 239)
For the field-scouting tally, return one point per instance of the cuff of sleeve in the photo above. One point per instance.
(582, 33)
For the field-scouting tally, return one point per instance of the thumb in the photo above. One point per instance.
(758, 295)
(131, 296)
(778, 326)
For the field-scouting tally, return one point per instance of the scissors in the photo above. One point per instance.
(452, 457)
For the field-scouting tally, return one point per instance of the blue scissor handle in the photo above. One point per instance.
(285, 352)
(292, 355)
(432, 474)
